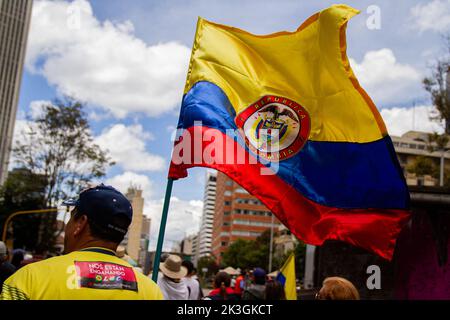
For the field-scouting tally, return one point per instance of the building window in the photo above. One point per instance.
(227, 203)
(226, 213)
(229, 183)
(241, 190)
(224, 244)
(227, 193)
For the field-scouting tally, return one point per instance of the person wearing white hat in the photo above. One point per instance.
(169, 280)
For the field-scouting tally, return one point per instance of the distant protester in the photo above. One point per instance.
(17, 257)
(169, 280)
(275, 291)
(240, 282)
(336, 288)
(192, 284)
(257, 289)
(39, 254)
(89, 269)
(6, 268)
(222, 289)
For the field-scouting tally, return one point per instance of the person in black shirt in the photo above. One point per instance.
(6, 268)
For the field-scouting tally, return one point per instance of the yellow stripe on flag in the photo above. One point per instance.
(309, 66)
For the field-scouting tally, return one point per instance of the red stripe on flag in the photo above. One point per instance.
(373, 229)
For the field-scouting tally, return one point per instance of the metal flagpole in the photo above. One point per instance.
(162, 229)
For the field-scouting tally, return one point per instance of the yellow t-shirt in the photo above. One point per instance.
(89, 274)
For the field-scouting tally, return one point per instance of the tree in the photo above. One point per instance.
(24, 190)
(207, 269)
(247, 254)
(438, 85)
(57, 146)
(422, 166)
(237, 254)
(426, 166)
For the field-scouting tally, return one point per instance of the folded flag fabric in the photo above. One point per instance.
(287, 278)
(285, 117)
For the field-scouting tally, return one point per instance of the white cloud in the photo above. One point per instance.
(127, 179)
(37, 108)
(183, 219)
(104, 63)
(184, 216)
(384, 79)
(434, 15)
(26, 125)
(127, 147)
(401, 120)
(99, 116)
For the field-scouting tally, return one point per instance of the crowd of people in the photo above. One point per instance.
(94, 266)
(178, 281)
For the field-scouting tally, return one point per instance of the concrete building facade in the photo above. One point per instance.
(411, 145)
(145, 241)
(14, 24)
(189, 247)
(238, 215)
(132, 241)
(205, 235)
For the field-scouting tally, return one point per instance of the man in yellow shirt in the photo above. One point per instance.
(90, 268)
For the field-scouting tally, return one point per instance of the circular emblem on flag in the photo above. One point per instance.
(275, 128)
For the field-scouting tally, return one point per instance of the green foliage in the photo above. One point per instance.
(209, 263)
(246, 254)
(436, 85)
(59, 146)
(58, 158)
(423, 166)
(24, 190)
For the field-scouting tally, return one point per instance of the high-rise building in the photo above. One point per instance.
(14, 24)
(132, 240)
(144, 253)
(188, 246)
(238, 215)
(206, 227)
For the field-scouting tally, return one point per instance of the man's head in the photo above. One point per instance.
(189, 266)
(3, 252)
(337, 288)
(259, 276)
(101, 215)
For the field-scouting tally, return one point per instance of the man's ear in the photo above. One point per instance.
(80, 225)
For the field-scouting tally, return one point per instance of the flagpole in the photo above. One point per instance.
(162, 229)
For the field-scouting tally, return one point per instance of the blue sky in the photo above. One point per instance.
(128, 61)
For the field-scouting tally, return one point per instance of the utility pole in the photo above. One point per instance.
(271, 245)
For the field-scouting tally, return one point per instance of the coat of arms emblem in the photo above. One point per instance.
(274, 128)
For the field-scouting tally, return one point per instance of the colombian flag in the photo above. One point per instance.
(287, 278)
(284, 116)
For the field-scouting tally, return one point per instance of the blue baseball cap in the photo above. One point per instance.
(102, 204)
(259, 272)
